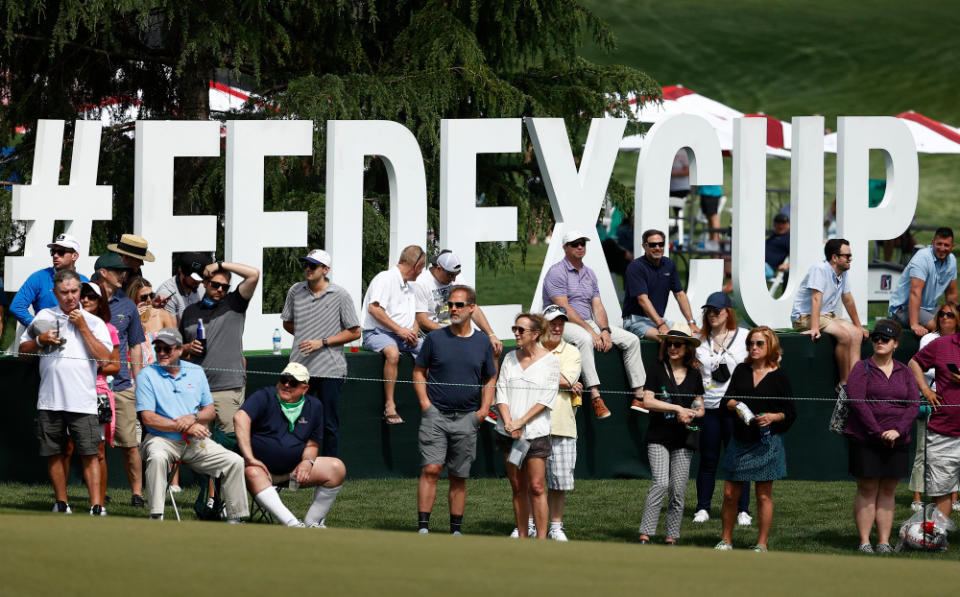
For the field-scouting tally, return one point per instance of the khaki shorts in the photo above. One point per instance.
(803, 323)
(127, 433)
(943, 464)
(227, 403)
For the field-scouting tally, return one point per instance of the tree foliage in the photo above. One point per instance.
(412, 61)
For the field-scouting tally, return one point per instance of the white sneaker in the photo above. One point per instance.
(298, 524)
(701, 516)
(956, 506)
(723, 546)
(175, 489)
(557, 534)
(423, 531)
(744, 519)
(917, 506)
(515, 533)
(317, 525)
(531, 530)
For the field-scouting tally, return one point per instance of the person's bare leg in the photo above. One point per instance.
(886, 500)
(457, 495)
(391, 362)
(944, 504)
(713, 221)
(728, 511)
(839, 331)
(91, 474)
(427, 487)
(102, 460)
(55, 469)
(865, 507)
(134, 467)
(764, 492)
(535, 469)
(556, 500)
(520, 499)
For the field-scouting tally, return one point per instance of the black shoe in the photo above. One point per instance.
(137, 501)
(96, 510)
(62, 508)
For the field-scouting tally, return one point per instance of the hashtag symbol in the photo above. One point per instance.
(44, 201)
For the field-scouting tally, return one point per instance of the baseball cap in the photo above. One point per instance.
(449, 262)
(93, 287)
(110, 260)
(193, 264)
(885, 330)
(718, 300)
(67, 241)
(317, 256)
(554, 311)
(297, 371)
(780, 218)
(572, 235)
(169, 336)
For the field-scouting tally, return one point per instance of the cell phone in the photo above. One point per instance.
(953, 368)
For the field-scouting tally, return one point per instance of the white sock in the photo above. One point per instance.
(322, 502)
(270, 499)
(555, 525)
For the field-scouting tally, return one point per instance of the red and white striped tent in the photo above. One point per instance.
(678, 99)
(931, 136)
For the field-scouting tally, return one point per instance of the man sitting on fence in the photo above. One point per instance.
(279, 433)
(174, 403)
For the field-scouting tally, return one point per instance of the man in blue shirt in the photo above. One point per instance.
(456, 354)
(37, 291)
(279, 431)
(174, 402)
(932, 272)
(777, 247)
(815, 306)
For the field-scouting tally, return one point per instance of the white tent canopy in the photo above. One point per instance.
(931, 136)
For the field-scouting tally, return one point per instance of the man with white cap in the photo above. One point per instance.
(279, 432)
(37, 291)
(174, 403)
(321, 317)
(572, 285)
(433, 291)
(182, 290)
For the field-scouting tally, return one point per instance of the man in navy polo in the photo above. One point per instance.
(649, 281)
(110, 273)
(279, 432)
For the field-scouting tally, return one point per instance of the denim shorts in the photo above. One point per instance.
(377, 339)
(639, 324)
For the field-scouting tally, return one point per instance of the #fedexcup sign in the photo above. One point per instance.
(575, 195)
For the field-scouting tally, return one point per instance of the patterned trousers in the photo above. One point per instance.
(671, 471)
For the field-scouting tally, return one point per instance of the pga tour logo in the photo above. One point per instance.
(886, 282)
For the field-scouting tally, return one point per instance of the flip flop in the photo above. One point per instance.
(392, 419)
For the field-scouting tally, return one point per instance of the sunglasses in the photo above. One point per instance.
(712, 311)
(756, 342)
(59, 252)
(847, 256)
(311, 266)
(675, 344)
(90, 296)
(520, 331)
(146, 296)
(656, 245)
(290, 382)
(880, 339)
(949, 314)
(457, 304)
(160, 348)
(219, 285)
(577, 244)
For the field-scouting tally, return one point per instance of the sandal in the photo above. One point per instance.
(392, 419)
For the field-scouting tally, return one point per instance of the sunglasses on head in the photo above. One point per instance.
(457, 304)
(949, 314)
(520, 331)
(756, 342)
(577, 244)
(59, 252)
(880, 338)
(219, 285)
(656, 245)
(671, 344)
(161, 348)
(146, 296)
(290, 382)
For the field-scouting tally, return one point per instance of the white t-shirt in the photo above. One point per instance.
(520, 390)
(432, 298)
(69, 383)
(710, 358)
(930, 374)
(396, 296)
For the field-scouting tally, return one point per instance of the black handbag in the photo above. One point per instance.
(692, 440)
(722, 373)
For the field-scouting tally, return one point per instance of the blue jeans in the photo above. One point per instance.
(715, 431)
(327, 389)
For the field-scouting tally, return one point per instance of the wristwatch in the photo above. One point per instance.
(604, 330)
(691, 321)
(325, 344)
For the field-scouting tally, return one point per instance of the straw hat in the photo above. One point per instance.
(675, 334)
(132, 246)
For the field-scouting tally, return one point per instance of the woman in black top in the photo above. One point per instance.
(755, 396)
(673, 393)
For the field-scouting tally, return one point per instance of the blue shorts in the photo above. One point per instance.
(377, 339)
(638, 324)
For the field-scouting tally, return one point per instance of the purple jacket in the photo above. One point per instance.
(870, 419)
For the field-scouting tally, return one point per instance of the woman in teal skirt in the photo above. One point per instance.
(759, 397)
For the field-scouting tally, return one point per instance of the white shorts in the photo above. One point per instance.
(561, 463)
(943, 464)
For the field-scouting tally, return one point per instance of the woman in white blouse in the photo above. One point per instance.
(526, 390)
(723, 346)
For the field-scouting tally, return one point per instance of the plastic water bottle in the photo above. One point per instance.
(202, 335)
(695, 405)
(765, 434)
(276, 341)
(665, 396)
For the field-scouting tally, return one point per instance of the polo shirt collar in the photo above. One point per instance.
(651, 264)
(403, 283)
(166, 372)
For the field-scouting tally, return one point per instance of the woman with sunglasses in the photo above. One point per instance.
(884, 402)
(141, 292)
(673, 393)
(526, 391)
(92, 301)
(723, 347)
(759, 396)
(946, 318)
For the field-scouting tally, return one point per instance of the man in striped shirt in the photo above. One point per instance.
(321, 317)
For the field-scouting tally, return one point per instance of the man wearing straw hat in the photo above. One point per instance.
(132, 249)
